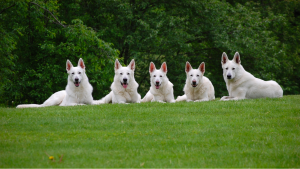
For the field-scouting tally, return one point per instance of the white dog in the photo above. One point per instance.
(197, 87)
(124, 88)
(78, 90)
(243, 85)
(161, 89)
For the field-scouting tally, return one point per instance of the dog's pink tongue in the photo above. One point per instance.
(76, 84)
(157, 87)
(125, 86)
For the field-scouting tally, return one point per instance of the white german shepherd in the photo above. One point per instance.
(161, 89)
(243, 85)
(124, 88)
(78, 90)
(197, 87)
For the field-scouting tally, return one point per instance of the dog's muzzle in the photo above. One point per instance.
(157, 85)
(194, 84)
(228, 76)
(124, 84)
(77, 82)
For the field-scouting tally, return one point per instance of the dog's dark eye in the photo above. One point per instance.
(233, 68)
(191, 75)
(121, 73)
(160, 75)
(127, 73)
(154, 76)
(79, 72)
(197, 75)
(227, 68)
(73, 73)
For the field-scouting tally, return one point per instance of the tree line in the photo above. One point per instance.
(37, 37)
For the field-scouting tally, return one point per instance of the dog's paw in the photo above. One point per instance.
(223, 98)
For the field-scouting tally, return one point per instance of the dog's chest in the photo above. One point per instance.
(195, 93)
(79, 96)
(127, 94)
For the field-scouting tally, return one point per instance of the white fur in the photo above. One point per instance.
(122, 92)
(72, 95)
(243, 85)
(163, 92)
(197, 87)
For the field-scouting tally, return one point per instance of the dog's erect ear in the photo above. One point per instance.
(237, 58)
(152, 67)
(131, 65)
(81, 63)
(117, 65)
(202, 67)
(164, 67)
(69, 65)
(224, 58)
(188, 67)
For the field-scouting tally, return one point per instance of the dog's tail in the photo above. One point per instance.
(181, 98)
(54, 100)
(104, 100)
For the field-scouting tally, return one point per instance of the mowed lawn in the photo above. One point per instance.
(247, 133)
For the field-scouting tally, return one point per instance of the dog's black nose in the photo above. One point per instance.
(76, 79)
(194, 82)
(124, 80)
(157, 83)
(228, 76)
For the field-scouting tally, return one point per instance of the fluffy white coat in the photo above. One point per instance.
(243, 85)
(197, 87)
(161, 89)
(78, 90)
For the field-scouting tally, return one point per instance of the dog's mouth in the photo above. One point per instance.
(157, 85)
(194, 84)
(125, 84)
(77, 83)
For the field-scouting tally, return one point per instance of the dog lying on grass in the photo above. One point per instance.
(124, 88)
(197, 87)
(78, 90)
(243, 85)
(161, 89)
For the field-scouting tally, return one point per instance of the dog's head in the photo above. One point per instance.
(124, 75)
(76, 74)
(158, 77)
(194, 76)
(230, 67)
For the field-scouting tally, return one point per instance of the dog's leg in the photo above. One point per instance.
(73, 104)
(202, 100)
(106, 99)
(181, 98)
(225, 98)
(148, 97)
(170, 98)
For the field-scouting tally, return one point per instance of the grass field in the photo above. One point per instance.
(247, 133)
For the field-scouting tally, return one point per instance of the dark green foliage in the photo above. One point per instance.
(37, 38)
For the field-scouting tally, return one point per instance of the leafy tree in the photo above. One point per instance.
(39, 45)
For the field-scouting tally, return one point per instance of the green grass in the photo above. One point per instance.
(247, 133)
